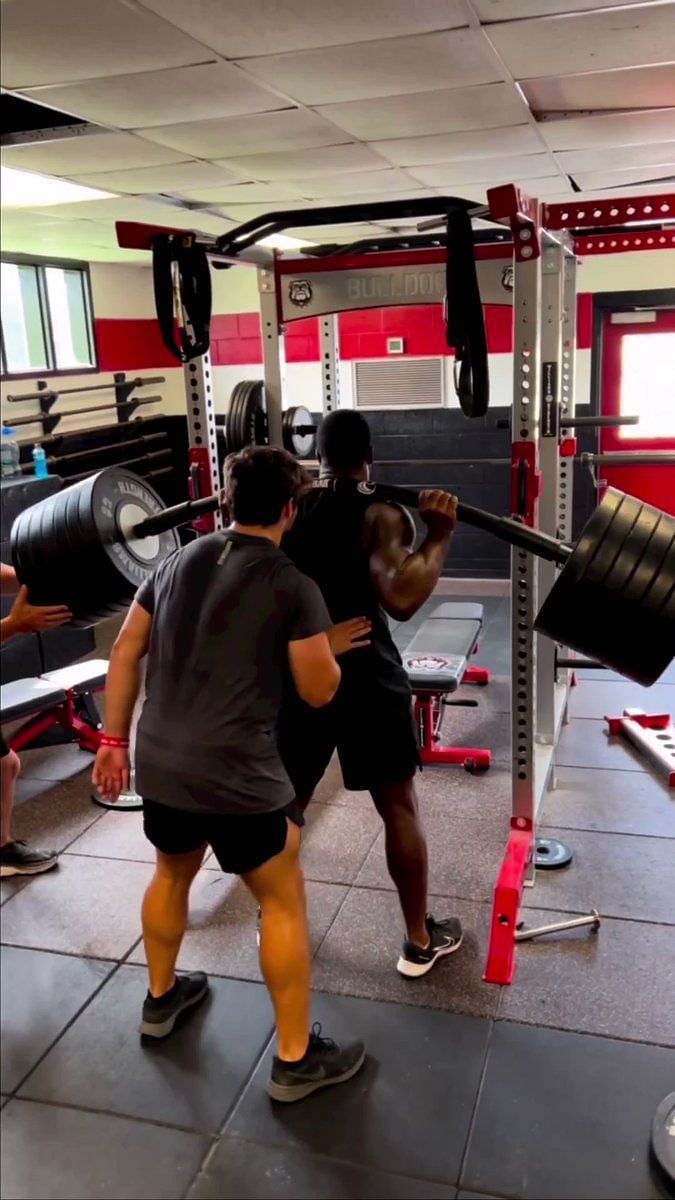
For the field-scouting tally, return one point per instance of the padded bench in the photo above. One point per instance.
(437, 662)
(62, 697)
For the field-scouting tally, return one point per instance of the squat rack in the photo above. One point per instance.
(535, 271)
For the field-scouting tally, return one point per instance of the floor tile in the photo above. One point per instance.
(359, 955)
(464, 856)
(407, 1112)
(221, 933)
(620, 875)
(586, 743)
(55, 762)
(118, 834)
(88, 906)
(189, 1080)
(597, 698)
(336, 841)
(11, 885)
(566, 1115)
(595, 982)
(483, 727)
(41, 993)
(58, 815)
(244, 1170)
(610, 802)
(67, 1154)
(486, 796)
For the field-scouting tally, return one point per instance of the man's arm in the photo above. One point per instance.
(124, 671)
(314, 669)
(9, 583)
(24, 617)
(404, 578)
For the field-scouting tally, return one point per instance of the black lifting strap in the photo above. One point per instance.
(465, 328)
(195, 294)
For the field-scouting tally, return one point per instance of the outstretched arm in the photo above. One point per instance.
(403, 577)
(112, 766)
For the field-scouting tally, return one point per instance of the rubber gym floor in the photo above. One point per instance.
(543, 1089)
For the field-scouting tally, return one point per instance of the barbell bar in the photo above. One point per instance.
(613, 600)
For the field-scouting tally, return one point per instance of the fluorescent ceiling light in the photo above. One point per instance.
(25, 189)
(280, 241)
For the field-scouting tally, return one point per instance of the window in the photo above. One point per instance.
(46, 319)
(648, 384)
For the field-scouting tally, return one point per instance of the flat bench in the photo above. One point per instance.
(437, 663)
(62, 697)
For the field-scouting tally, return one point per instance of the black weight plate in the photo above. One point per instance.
(594, 529)
(551, 855)
(663, 1136)
(625, 563)
(663, 584)
(232, 431)
(610, 545)
(253, 412)
(652, 560)
(119, 501)
(300, 444)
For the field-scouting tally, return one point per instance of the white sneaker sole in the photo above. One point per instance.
(417, 970)
(30, 869)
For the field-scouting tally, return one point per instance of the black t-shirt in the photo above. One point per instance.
(327, 543)
(224, 609)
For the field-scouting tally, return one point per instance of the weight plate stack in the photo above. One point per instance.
(298, 427)
(247, 416)
(598, 604)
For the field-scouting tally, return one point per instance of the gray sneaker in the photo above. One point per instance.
(18, 858)
(445, 937)
(324, 1064)
(160, 1015)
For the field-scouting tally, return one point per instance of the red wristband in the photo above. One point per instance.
(118, 742)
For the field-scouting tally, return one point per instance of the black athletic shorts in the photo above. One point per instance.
(372, 729)
(4, 748)
(239, 843)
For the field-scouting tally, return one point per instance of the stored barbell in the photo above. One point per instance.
(614, 599)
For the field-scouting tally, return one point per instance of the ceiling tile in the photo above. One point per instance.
(338, 199)
(633, 87)
(509, 170)
(481, 107)
(173, 177)
(239, 213)
(504, 10)
(358, 181)
(449, 147)
(595, 41)
(609, 129)
(279, 193)
(137, 208)
(627, 179)
(43, 42)
(95, 152)
(294, 164)
(392, 67)
(224, 137)
(246, 27)
(153, 98)
(616, 157)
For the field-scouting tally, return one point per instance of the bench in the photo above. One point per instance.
(437, 662)
(62, 697)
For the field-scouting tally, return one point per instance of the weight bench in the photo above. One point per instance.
(437, 662)
(62, 697)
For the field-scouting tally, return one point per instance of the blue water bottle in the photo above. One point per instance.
(40, 462)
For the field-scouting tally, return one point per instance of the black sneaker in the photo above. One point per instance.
(18, 858)
(323, 1065)
(444, 938)
(160, 1015)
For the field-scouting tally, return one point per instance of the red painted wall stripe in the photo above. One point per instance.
(236, 337)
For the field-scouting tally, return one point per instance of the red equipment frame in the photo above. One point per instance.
(64, 714)
(428, 717)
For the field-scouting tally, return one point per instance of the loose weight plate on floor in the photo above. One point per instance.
(663, 1136)
(551, 855)
(77, 546)
(613, 598)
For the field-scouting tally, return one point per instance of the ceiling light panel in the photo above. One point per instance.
(391, 67)
(44, 43)
(253, 27)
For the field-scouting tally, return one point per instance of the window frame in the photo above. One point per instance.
(51, 372)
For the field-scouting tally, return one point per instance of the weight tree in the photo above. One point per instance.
(541, 251)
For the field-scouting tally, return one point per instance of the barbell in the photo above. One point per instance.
(613, 600)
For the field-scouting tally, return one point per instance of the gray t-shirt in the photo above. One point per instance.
(224, 609)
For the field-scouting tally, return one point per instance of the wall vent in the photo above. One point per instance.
(398, 383)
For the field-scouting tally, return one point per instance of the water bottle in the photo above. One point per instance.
(40, 462)
(10, 461)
